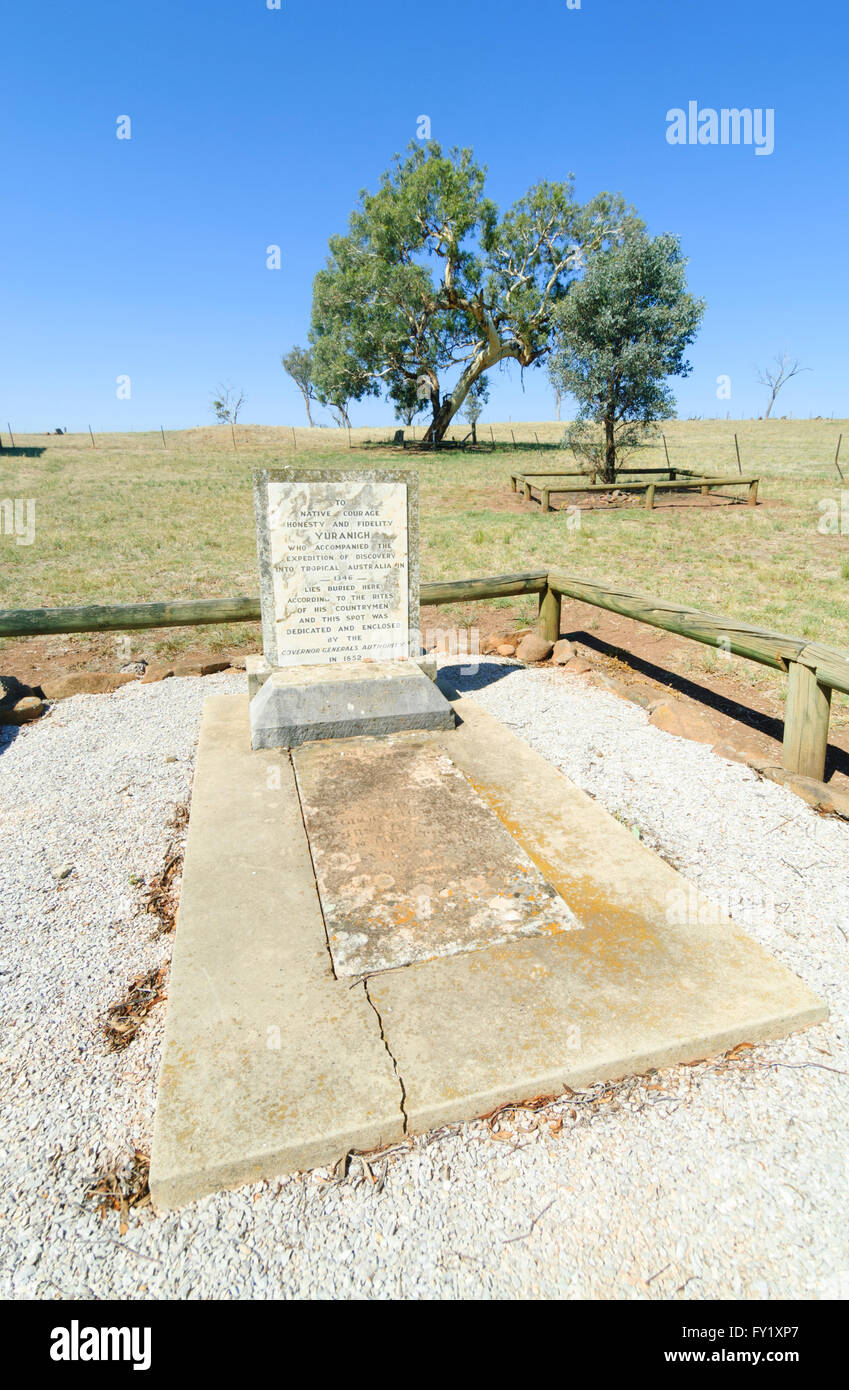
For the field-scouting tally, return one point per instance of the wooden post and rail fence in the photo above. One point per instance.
(813, 670)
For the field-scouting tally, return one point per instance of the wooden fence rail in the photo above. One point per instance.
(813, 670)
(543, 484)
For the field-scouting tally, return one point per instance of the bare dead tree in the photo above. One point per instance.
(227, 404)
(776, 377)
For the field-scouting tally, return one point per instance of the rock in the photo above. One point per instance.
(636, 692)
(200, 666)
(61, 871)
(831, 800)
(496, 640)
(506, 649)
(237, 663)
(679, 719)
(158, 671)
(563, 652)
(534, 648)
(577, 666)
(27, 709)
(85, 683)
(739, 749)
(135, 668)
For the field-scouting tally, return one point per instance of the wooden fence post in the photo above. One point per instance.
(806, 711)
(545, 499)
(549, 615)
(649, 502)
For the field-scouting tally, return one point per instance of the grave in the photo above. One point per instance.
(339, 595)
(394, 913)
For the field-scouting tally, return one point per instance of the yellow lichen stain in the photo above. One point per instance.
(613, 931)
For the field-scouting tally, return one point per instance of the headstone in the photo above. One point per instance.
(339, 592)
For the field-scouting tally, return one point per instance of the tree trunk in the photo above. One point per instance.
(444, 413)
(608, 474)
(305, 395)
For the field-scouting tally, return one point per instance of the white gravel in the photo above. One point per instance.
(700, 1182)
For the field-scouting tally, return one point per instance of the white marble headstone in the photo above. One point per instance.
(335, 566)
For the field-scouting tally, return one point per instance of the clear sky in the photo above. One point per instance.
(253, 126)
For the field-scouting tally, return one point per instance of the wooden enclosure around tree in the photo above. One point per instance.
(679, 480)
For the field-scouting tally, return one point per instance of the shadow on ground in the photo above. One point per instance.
(837, 759)
(466, 677)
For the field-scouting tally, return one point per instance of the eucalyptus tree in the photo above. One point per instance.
(431, 286)
(621, 333)
(298, 364)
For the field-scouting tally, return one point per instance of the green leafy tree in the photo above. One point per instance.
(298, 364)
(430, 281)
(621, 332)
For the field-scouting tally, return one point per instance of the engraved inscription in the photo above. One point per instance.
(339, 571)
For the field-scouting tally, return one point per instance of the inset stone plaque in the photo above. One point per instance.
(338, 554)
(409, 861)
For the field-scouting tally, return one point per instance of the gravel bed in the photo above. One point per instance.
(725, 1179)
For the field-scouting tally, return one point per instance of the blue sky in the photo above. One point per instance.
(252, 126)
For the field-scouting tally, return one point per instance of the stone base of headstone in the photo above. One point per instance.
(299, 704)
(258, 669)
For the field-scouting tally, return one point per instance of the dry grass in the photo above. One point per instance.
(133, 520)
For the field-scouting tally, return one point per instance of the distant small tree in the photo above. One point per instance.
(621, 332)
(226, 405)
(407, 399)
(298, 364)
(475, 401)
(777, 376)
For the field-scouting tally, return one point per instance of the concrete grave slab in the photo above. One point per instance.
(271, 1064)
(657, 976)
(410, 862)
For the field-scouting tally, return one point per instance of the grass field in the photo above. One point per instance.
(133, 519)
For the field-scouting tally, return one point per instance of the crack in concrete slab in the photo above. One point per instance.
(390, 1055)
(364, 982)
